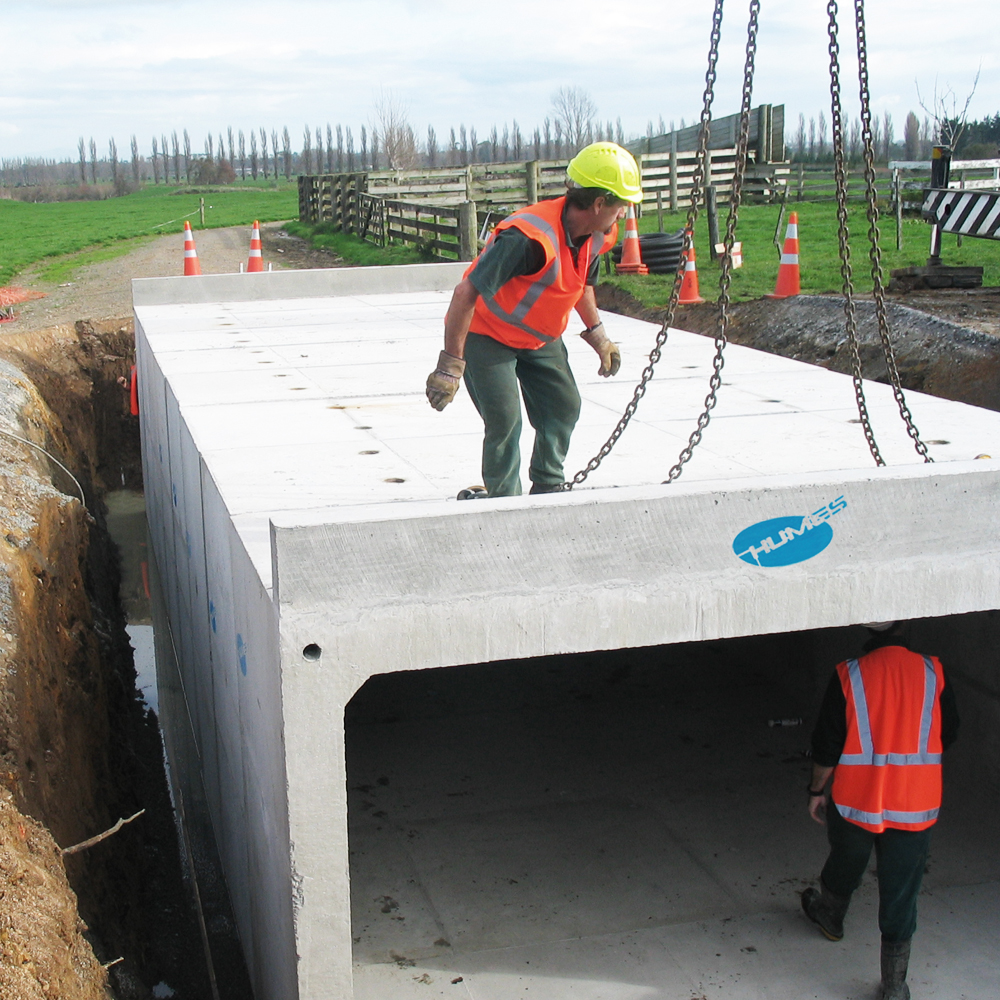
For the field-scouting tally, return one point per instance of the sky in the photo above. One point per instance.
(113, 68)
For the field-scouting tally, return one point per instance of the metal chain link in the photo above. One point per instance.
(874, 252)
(725, 276)
(840, 176)
(697, 183)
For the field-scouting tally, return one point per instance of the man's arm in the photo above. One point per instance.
(442, 383)
(460, 313)
(817, 803)
(587, 307)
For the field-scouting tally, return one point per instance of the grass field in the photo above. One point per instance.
(99, 230)
(355, 250)
(818, 252)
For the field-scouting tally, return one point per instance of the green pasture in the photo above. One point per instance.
(355, 250)
(72, 233)
(819, 259)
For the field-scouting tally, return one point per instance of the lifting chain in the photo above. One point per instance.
(840, 176)
(698, 181)
(874, 252)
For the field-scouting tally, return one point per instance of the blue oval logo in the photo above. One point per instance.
(782, 541)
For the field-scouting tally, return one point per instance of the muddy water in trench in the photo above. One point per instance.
(206, 962)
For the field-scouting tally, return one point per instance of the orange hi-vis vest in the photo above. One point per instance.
(533, 309)
(889, 774)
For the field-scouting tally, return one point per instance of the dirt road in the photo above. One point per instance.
(101, 291)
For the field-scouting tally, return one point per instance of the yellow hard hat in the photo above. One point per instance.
(606, 165)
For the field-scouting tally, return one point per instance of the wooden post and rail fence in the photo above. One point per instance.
(446, 210)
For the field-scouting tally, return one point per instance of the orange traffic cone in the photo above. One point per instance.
(689, 284)
(631, 254)
(788, 271)
(191, 265)
(256, 261)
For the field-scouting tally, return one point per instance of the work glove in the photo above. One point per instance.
(611, 358)
(442, 383)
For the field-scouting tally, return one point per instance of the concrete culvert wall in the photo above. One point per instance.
(597, 824)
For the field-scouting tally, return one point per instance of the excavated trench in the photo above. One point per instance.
(79, 749)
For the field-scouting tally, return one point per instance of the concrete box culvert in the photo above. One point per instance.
(275, 535)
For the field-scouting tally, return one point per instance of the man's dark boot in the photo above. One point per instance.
(895, 959)
(826, 910)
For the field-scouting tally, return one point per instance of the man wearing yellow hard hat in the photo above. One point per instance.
(508, 314)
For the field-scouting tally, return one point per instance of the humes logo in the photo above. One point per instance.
(782, 541)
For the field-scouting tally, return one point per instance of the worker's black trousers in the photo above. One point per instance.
(900, 856)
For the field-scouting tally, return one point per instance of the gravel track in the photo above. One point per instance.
(103, 290)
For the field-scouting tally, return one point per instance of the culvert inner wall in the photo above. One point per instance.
(616, 822)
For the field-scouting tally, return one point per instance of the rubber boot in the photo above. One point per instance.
(826, 910)
(895, 959)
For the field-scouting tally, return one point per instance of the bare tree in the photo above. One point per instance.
(557, 142)
(82, 146)
(812, 139)
(319, 152)
(463, 144)
(537, 144)
(165, 153)
(113, 160)
(155, 159)
(888, 136)
(175, 146)
(305, 162)
(274, 151)
(391, 125)
(93, 161)
(911, 137)
(821, 137)
(473, 146)
(374, 149)
(432, 144)
(263, 154)
(286, 152)
(517, 141)
(222, 151)
(547, 125)
(135, 159)
(187, 157)
(243, 156)
(949, 121)
(575, 110)
(620, 132)
(800, 138)
(505, 143)
(854, 143)
(253, 153)
(364, 147)
(210, 148)
(350, 148)
(340, 146)
(232, 147)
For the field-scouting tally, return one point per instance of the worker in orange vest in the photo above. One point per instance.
(513, 305)
(886, 718)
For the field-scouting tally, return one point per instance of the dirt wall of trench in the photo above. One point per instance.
(78, 750)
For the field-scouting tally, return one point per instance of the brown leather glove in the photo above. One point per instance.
(442, 383)
(611, 358)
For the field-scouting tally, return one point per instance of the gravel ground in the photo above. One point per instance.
(102, 291)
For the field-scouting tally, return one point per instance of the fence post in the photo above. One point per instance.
(802, 182)
(468, 242)
(712, 211)
(531, 180)
(659, 210)
(673, 171)
(898, 194)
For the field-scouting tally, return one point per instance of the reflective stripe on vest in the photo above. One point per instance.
(886, 816)
(534, 291)
(868, 755)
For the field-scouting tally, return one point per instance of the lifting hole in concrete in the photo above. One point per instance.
(939, 441)
(312, 651)
(363, 427)
(368, 451)
(394, 480)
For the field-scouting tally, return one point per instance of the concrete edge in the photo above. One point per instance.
(320, 283)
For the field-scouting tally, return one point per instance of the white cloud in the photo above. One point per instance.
(114, 67)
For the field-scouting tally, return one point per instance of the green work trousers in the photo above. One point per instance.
(900, 857)
(551, 399)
